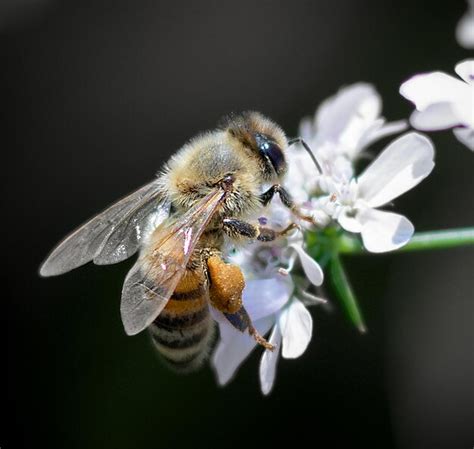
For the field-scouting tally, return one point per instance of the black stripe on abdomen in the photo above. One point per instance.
(173, 322)
(179, 342)
(183, 341)
(197, 293)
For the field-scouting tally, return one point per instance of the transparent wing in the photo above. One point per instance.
(116, 230)
(153, 279)
(123, 241)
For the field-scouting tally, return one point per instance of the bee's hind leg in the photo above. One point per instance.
(225, 293)
(242, 322)
(226, 285)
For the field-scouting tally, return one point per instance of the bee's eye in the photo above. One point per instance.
(272, 151)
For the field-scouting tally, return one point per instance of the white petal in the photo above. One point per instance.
(384, 231)
(465, 136)
(227, 332)
(465, 30)
(349, 221)
(269, 360)
(345, 116)
(231, 353)
(297, 328)
(311, 268)
(435, 117)
(465, 70)
(434, 87)
(399, 168)
(465, 108)
(305, 130)
(264, 297)
(380, 130)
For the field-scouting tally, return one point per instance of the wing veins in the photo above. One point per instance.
(169, 257)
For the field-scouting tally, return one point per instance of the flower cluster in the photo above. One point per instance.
(343, 127)
(281, 275)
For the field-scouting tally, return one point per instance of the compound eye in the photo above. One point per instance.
(271, 151)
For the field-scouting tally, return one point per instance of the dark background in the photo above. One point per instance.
(96, 96)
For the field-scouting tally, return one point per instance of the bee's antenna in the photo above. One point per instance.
(308, 149)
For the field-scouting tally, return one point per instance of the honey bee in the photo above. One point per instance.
(205, 194)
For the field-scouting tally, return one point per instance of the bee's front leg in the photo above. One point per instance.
(238, 228)
(287, 201)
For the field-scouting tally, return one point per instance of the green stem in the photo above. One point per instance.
(346, 295)
(421, 241)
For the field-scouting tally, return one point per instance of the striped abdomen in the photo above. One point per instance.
(183, 332)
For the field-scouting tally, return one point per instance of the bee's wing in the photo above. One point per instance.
(153, 279)
(109, 237)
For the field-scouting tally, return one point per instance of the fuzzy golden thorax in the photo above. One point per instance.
(247, 146)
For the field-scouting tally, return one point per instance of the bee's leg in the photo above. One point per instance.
(226, 285)
(238, 228)
(285, 197)
(242, 322)
(225, 293)
(287, 201)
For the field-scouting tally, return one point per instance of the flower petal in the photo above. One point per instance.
(264, 297)
(345, 116)
(305, 130)
(435, 87)
(435, 117)
(297, 328)
(269, 360)
(465, 29)
(311, 268)
(227, 332)
(379, 130)
(349, 221)
(465, 136)
(399, 168)
(384, 231)
(230, 353)
(465, 69)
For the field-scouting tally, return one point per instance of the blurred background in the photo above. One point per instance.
(96, 96)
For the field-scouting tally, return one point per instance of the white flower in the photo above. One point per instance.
(271, 300)
(443, 101)
(465, 27)
(343, 127)
(292, 332)
(270, 303)
(275, 296)
(347, 123)
(399, 168)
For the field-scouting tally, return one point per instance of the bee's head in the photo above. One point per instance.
(264, 138)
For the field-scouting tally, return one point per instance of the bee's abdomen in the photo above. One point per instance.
(183, 332)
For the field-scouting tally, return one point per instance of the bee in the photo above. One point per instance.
(204, 197)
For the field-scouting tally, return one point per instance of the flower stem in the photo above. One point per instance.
(450, 238)
(344, 291)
